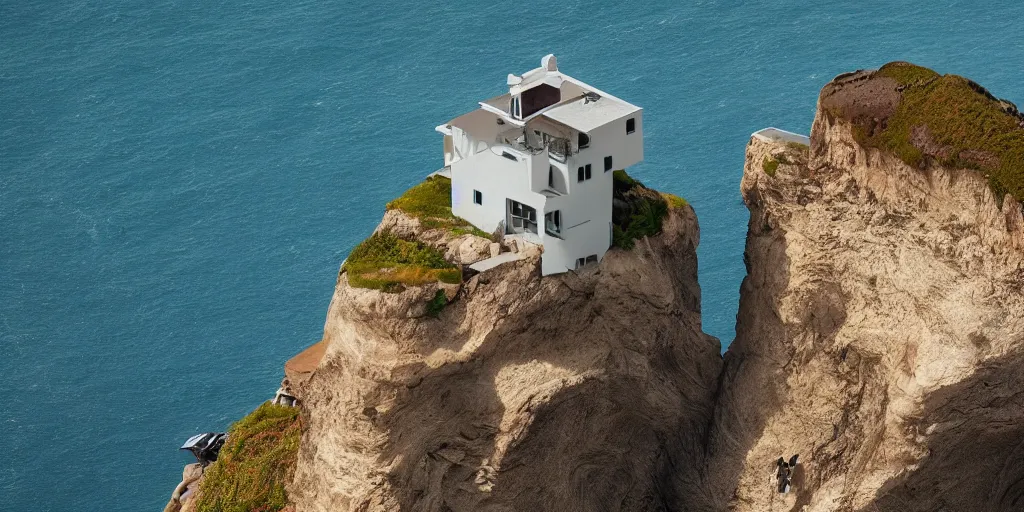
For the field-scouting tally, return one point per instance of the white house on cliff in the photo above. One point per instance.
(537, 163)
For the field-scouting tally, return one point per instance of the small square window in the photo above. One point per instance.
(587, 167)
(579, 174)
(607, 163)
(630, 125)
(478, 197)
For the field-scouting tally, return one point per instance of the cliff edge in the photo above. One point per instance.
(509, 391)
(880, 334)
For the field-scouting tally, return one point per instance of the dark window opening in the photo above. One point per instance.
(630, 125)
(510, 156)
(582, 262)
(607, 163)
(587, 171)
(551, 176)
(553, 223)
(583, 140)
(539, 97)
(523, 218)
(579, 174)
(478, 197)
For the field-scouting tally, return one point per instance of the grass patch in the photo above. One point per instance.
(437, 304)
(431, 203)
(770, 166)
(637, 210)
(673, 200)
(906, 73)
(954, 121)
(388, 263)
(253, 466)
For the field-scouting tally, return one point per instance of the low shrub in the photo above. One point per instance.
(437, 304)
(385, 262)
(637, 210)
(770, 166)
(255, 463)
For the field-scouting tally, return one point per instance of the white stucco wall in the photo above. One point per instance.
(586, 213)
(497, 178)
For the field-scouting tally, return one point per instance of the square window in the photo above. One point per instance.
(579, 174)
(587, 173)
(478, 197)
(607, 163)
(630, 125)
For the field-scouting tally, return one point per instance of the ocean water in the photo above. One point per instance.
(179, 181)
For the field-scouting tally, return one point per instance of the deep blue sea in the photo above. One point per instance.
(179, 180)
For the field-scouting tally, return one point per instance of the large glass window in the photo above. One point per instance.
(553, 223)
(522, 218)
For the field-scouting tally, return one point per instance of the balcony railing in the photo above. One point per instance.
(557, 147)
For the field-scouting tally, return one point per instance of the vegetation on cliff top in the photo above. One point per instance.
(388, 263)
(637, 210)
(431, 203)
(954, 121)
(253, 466)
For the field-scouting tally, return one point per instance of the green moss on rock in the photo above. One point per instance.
(927, 117)
(637, 210)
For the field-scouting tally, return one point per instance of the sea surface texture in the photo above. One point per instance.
(179, 181)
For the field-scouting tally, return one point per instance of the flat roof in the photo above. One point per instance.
(575, 111)
(776, 134)
(585, 115)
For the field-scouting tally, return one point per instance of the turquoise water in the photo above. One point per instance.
(180, 180)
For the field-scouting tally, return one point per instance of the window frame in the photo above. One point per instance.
(608, 163)
(630, 125)
(478, 197)
(555, 219)
(580, 138)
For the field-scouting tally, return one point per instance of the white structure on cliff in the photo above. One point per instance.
(536, 163)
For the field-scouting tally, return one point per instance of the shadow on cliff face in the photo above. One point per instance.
(749, 388)
(753, 388)
(976, 451)
(620, 379)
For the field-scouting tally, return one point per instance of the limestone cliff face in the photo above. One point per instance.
(880, 334)
(589, 390)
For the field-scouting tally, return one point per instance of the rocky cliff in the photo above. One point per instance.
(880, 338)
(880, 334)
(582, 391)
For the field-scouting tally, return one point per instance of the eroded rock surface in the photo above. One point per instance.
(585, 391)
(880, 334)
